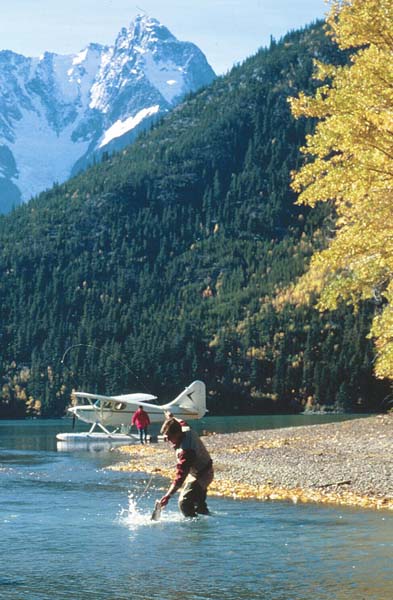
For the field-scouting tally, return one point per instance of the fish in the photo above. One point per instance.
(156, 514)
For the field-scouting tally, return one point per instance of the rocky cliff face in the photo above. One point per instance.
(59, 112)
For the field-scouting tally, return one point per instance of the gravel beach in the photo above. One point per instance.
(350, 463)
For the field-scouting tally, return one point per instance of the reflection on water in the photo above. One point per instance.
(70, 529)
(33, 434)
(251, 422)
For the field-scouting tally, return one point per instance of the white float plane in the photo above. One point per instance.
(106, 412)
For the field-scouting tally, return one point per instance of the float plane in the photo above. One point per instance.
(105, 412)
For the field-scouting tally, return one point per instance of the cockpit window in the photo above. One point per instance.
(100, 404)
(109, 404)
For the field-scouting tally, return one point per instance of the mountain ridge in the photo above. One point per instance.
(59, 112)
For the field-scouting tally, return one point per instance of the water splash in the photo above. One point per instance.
(136, 515)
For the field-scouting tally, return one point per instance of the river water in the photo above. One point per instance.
(70, 529)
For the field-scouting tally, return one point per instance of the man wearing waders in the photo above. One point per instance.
(194, 468)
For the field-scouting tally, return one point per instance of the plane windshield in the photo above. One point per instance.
(109, 404)
(100, 404)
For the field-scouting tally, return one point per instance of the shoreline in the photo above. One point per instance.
(346, 463)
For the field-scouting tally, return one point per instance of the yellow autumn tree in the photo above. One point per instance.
(349, 163)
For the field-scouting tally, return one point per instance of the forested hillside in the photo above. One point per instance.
(170, 258)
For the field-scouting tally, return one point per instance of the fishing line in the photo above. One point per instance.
(146, 488)
(127, 367)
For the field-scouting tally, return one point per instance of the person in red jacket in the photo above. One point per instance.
(140, 418)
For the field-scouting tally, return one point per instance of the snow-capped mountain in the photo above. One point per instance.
(57, 112)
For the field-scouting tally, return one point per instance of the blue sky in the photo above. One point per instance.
(227, 31)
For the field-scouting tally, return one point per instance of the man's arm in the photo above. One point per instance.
(184, 463)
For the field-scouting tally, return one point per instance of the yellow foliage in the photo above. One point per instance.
(257, 353)
(350, 164)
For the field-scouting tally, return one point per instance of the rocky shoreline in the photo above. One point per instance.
(349, 463)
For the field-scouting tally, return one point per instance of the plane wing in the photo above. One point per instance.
(126, 398)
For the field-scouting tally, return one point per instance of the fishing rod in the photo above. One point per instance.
(156, 514)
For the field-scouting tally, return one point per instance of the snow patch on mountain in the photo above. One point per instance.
(42, 155)
(121, 127)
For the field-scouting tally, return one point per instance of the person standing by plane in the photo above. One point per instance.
(141, 420)
(194, 468)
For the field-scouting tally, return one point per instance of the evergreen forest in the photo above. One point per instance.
(170, 260)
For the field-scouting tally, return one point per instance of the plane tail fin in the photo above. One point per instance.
(192, 399)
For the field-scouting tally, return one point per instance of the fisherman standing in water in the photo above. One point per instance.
(141, 419)
(194, 468)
